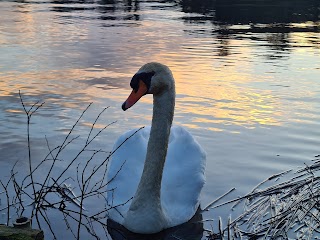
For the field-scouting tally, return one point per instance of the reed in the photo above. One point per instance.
(288, 208)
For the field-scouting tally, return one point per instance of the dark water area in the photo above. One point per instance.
(255, 12)
(247, 78)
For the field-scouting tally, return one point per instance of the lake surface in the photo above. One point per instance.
(247, 79)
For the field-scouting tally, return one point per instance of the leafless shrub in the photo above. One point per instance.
(35, 197)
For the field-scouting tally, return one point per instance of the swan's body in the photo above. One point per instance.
(165, 182)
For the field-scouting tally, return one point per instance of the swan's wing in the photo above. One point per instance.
(124, 172)
(183, 177)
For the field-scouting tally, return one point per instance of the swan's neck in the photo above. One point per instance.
(146, 204)
(150, 182)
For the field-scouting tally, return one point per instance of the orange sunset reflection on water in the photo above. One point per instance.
(206, 96)
(212, 94)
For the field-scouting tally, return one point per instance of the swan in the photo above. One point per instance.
(155, 177)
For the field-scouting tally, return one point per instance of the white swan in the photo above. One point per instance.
(167, 193)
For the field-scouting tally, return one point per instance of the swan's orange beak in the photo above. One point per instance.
(135, 96)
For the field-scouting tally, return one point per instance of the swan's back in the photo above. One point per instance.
(183, 176)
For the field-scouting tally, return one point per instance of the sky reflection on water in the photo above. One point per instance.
(247, 76)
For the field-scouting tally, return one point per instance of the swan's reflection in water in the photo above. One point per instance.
(191, 230)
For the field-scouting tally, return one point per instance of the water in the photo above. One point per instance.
(247, 78)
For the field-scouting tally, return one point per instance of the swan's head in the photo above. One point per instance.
(152, 78)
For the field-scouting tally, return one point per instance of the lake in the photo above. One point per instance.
(247, 79)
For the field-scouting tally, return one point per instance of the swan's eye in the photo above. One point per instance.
(134, 84)
(136, 89)
(143, 76)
